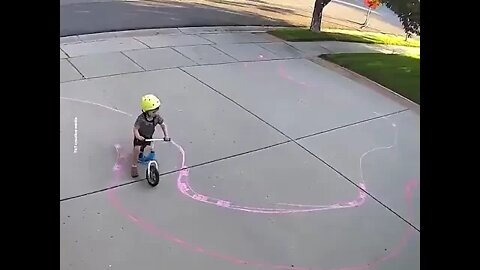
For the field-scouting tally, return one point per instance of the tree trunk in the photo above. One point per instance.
(407, 35)
(316, 23)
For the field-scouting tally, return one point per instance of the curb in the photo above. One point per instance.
(369, 83)
(166, 31)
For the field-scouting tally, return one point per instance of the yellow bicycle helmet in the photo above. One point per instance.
(150, 102)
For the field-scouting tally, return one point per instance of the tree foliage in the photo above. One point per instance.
(408, 11)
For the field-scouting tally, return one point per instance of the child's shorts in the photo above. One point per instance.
(142, 144)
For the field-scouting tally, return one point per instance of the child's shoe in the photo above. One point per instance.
(134, 171)
(141, 158)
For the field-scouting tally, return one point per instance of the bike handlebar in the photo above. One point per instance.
(156, 140)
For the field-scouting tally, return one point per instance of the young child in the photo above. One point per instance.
(144, 128)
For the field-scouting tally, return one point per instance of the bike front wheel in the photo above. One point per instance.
(153, 176)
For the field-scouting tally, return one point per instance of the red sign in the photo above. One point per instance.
(373, 4)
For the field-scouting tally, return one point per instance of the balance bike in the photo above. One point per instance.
(152, 174)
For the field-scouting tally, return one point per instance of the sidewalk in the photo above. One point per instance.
(216, 45)
(276, 162)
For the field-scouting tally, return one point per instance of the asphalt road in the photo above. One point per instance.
(93, 16)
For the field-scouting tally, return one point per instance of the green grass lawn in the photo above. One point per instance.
(400, 73)
(302, 34)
